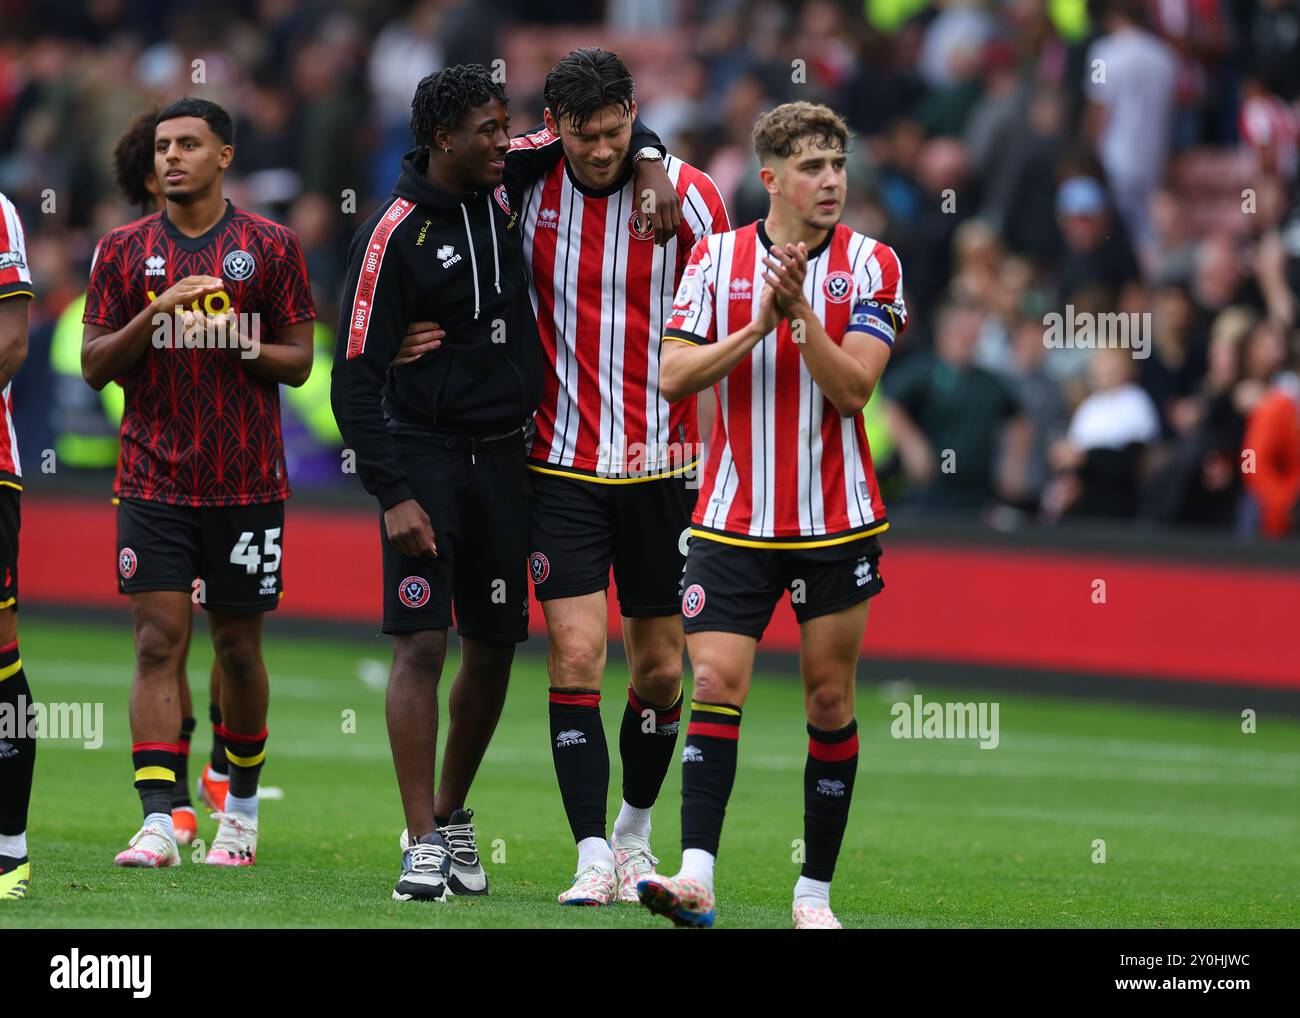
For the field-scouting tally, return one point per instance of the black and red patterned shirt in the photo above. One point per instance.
(198, 429)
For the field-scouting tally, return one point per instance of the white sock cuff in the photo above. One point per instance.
(812, 890)
(13, 845)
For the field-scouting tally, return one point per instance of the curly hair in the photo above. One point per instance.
(779, 132)
(443, 99)
(133, 160)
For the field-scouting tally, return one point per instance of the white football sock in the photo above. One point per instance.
(634, 821)
(214, 776)
(162, 821)
(244, 807)
(595, 850)
(13, 845)
(698, 865)
(812, 891)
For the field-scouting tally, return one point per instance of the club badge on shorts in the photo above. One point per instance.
(539, 567)
(126, 563)
(693, 601)
(414, 592)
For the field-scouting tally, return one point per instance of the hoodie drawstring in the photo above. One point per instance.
(496, 261)
(473, 262)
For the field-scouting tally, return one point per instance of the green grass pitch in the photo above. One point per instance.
(1199, 820)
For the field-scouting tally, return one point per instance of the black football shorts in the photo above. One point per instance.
(10, 517)
(227, 557)
(476, 496)
(581, 528)
(734, 589)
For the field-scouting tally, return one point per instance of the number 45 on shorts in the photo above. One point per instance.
(246, 554)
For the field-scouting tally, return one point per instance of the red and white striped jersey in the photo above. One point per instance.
(15, 281)
(602, 292)
(1270, 128)
(784, 468)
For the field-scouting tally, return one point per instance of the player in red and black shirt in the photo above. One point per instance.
(199, 311)
(17, 751)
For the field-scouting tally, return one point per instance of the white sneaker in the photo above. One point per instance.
(593, 884)
(236, 841)
(466, 876)
(810, 915)
(424, 871)
(151, 848)
(633, 862)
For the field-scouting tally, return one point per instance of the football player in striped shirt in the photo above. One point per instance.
(612, 463)
(793, 319)
(17, 750)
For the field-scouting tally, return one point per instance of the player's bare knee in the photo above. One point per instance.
(713, 684)
(829, 705)
(577, 664)
(659, 682)
(240, 656)
(487, 662)
(420, 653)
(158, 646)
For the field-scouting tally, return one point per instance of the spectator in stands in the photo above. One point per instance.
(1199, 481)
(1096, 245)
(1272, 449)
(1099, 461)
(1174, 369)
(1130, 88)
(952, 420)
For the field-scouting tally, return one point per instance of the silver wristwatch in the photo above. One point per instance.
(649, 152)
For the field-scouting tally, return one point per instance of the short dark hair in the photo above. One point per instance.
(217, 118)
(443, 99)
(585, 82)
(133, 159)
(782, 131)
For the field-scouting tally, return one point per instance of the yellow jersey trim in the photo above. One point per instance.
(675, 472)
(18, 293)
(745, 542)
(679, 339)
(12, 484)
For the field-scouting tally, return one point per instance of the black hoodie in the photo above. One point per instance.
(457, 260)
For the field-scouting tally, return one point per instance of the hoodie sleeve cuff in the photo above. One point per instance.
(391, 494)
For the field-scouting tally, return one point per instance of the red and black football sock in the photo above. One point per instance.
(646, 749)
(827, 791)
(218, 759)
(245, 754)
(17, 751)
(155, 775)
(708, 772)
(181, 790)
(581, 759)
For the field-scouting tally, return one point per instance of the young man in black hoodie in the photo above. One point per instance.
(440, 442)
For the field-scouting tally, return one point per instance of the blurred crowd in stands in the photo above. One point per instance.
(1124, 169)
